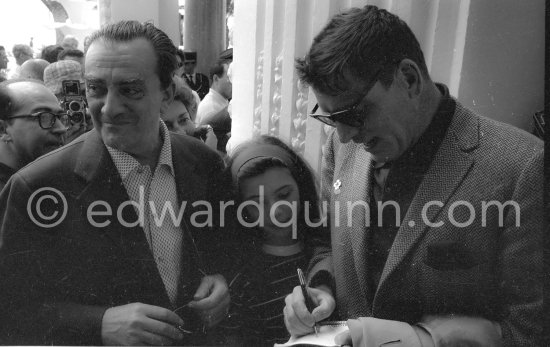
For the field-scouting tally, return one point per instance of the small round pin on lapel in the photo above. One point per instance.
(337, 184)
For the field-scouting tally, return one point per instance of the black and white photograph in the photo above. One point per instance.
(273, 173)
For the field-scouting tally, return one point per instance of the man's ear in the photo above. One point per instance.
(215, 78)
(3, 126)
(167, 97)
(409, 75)
(4, 131)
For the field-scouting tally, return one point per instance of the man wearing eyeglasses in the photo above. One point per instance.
(413, 258)
(32, 124)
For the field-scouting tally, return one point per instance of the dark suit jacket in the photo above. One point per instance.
(201, 84)
(485, 268)
(58, 281)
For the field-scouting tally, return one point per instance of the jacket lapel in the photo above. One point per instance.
(103, 183)
(351, 183)
(448, 169)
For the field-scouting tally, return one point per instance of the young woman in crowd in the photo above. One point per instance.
(270, 175)
(180, 115)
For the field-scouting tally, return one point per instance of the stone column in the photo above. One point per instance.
(205, 31)
(163, 13)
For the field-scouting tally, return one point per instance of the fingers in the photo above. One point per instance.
(162, 329)
(204, 288)
(298, 319)
(325, 302)
(343, 339)
(212, 292)
(140, 324)
(212, 300)
(162, 314)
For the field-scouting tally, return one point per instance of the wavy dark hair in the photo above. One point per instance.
(128, 30)
(364, 42)
(300, 171)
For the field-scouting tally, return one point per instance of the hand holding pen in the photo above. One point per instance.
(309, 303)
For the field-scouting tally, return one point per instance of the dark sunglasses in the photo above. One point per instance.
(350, 116)
(46, 119)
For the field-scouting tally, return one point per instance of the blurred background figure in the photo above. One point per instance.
(69, 42)
(195, 80)
(180, 58)
(72, 54)
(21, 53)
(50, 53)
(181, 113)
(3, 64)
(31, 124)
(213, 109)
(33, 69)
(64, 79)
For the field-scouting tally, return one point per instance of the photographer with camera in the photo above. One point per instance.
(31, 124)
(180, 115)
(64, 79)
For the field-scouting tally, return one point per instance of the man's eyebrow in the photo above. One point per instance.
(46, 109)
(286, 186)
(88, 78)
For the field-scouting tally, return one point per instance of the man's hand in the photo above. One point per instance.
(298, 320)
(140, 324)
(211, 300)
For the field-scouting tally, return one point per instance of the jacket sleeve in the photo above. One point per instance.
(31, 310)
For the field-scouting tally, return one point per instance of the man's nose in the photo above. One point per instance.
(346, 132)
(59, 127)
(111, 104)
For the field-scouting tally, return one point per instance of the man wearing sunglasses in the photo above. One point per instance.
(32, 124)
(429, 268)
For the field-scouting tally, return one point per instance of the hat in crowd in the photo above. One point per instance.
(190, 56)
(227, 55)
(60, 71)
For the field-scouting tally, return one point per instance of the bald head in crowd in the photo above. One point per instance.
(33, 69)
(32, 123)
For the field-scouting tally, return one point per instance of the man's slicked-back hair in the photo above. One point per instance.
(128, 30)
(218, 69)
(361, 42)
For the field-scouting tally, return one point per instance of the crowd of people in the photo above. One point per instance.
(124, 222)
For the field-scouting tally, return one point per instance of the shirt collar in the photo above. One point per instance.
(125, 163)
(218, 96)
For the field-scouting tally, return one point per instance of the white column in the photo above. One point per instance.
(205, 31)
(162, 13)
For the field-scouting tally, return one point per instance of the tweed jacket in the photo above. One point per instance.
(58, 281)
(460, 258)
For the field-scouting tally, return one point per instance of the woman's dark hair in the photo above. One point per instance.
(300, 171)
(184, 94)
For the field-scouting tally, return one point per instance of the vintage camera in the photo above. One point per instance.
(74, 101)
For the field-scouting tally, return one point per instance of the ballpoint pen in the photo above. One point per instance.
(309, 302)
